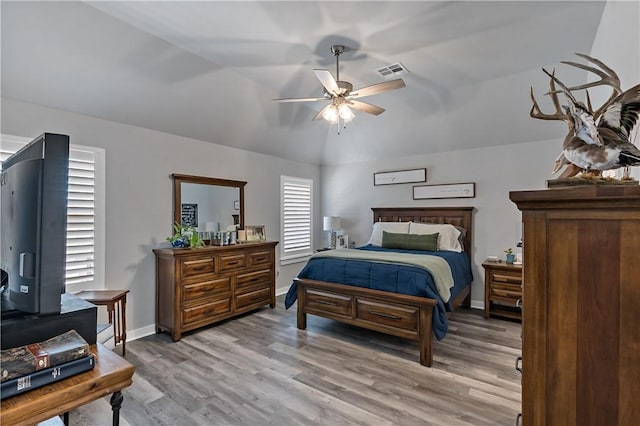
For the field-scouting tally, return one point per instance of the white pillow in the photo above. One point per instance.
(395, 227)
(447, 234)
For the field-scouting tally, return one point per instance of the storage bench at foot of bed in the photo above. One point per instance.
(390, 313)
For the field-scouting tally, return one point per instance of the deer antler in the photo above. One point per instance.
(536, 112)
(608, 77)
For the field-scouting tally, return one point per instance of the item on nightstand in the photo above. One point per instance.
(331, 224)
(511, 257)
(518, 260)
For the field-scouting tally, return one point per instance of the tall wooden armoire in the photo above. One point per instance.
(581, 316)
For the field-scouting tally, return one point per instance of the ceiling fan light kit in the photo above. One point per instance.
(342, 96)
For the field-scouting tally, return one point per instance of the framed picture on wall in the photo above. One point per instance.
(400, 176)
(447, 190)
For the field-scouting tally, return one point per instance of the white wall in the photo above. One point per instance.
(139, 209)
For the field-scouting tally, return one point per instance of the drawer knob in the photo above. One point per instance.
(199, 268)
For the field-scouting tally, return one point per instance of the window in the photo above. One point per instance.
(85, 213)
(296, 204)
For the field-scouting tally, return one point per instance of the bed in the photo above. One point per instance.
(388, 308)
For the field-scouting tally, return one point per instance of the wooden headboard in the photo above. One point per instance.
(458, 216)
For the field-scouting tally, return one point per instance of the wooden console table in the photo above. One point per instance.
(111, 374)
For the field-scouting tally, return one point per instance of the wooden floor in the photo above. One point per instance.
(261, 370)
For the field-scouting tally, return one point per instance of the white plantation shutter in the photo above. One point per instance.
(81, 217)
(296, 203)
(81, 213)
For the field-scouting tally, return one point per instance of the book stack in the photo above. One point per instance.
(29, 367)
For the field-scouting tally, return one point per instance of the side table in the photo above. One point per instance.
(116, 303)
(111, 374)
(502, 290)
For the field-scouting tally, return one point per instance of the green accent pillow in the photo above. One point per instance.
(410, 241)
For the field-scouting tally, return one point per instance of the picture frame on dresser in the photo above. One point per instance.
(255, 233)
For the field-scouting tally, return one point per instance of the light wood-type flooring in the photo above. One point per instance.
(259, 369)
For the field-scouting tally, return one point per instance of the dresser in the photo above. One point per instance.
(202, 286)
(502, 289)
(581, 333)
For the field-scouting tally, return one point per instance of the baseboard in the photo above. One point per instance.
(139, 333)
(477, 304)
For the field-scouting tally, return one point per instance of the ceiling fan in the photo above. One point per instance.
(341, 95)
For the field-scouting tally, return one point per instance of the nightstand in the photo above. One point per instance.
(502, 290)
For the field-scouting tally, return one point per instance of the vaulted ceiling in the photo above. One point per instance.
(209, 70)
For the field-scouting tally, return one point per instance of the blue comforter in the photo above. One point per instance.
(403, 279)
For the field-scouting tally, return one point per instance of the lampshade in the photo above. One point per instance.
(330, 223)
(331, 114)
(345, 113)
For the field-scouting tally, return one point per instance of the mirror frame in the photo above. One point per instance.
(179, 179)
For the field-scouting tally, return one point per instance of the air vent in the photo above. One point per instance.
(393, 70)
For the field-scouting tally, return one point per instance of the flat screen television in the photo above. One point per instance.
(33, 225)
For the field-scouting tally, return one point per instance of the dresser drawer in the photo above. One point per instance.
(232, 261)
(506, 291)
(218, 287)
(194, 267)
(259, 297)
(390, 315)
(506, 277)
(205, 311)
(258, 258)
(251, 278)
(329, 302)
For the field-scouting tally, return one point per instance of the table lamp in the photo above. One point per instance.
(331, 224)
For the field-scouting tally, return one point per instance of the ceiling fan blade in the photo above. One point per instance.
(318, 116)
(365, 107)
(374, 89)
(300, 99)
(327, 81)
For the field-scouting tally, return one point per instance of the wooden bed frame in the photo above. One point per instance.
(391, 313)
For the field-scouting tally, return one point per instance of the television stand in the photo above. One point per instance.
(20, 329)
(8, 313)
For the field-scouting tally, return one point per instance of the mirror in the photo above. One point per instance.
(208, 204)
